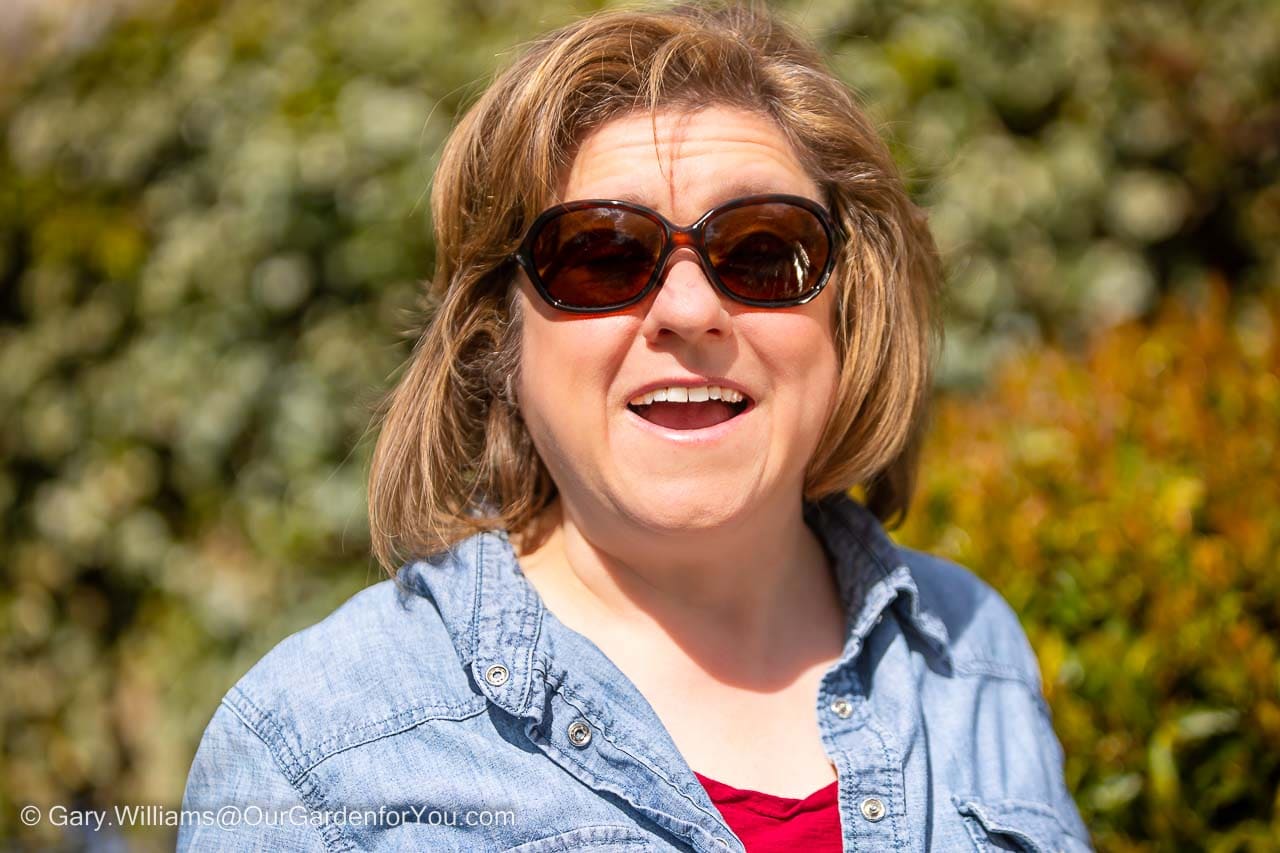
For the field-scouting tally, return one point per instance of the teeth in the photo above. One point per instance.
(682, 394)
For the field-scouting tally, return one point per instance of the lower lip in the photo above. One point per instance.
(692, 437)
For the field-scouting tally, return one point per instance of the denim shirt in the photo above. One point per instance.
(451, 710)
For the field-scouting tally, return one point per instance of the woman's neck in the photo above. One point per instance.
(761, 591)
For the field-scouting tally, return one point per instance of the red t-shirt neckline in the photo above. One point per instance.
(769, 822)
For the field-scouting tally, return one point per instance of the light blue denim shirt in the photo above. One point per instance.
(451, 710)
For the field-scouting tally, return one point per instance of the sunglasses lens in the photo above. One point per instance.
(598, 257)
(768, 252)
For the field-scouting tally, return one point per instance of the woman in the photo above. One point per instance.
(685, 307)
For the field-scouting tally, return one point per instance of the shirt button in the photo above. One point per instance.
(496, 675)
(842, 707)
(721, 843)
(579, 733)
(873, 809)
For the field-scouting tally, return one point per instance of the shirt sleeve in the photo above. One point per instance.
(1041, 735)
(237, 797)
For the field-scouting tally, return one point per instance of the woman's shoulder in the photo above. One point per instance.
(990, 709)
(381, 663)
(984, 634)
(379, 666)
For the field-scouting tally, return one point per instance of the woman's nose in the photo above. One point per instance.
(686, 304)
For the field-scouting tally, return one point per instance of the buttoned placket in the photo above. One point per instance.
(867, 752)
(868, 761)
(567, 719)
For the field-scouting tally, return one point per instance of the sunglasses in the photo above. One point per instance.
(594, 256)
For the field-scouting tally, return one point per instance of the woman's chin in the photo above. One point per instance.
(688, 487)
(688, 504)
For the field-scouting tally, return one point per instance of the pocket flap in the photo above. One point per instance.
(1034, 826)
(597, 839)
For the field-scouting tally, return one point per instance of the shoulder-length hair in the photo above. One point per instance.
(453, 456)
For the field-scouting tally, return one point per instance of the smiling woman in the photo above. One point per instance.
(685, 306)
(686, 467)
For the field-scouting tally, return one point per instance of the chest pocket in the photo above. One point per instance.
(596, 839)
(1016, 825)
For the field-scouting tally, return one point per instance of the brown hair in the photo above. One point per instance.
(453, 456)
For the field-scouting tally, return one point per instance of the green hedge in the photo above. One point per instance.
(1126, 500)
(213, 226)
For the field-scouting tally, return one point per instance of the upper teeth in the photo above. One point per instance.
(684, 394)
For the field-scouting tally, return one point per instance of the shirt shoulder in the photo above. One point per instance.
(1008, 774)
(985, 636)
(380, 664)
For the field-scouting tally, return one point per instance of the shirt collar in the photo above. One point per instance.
(495, 616)
(872, 574)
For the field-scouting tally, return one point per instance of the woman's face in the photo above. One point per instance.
(580, 373)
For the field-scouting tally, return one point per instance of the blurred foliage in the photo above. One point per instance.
(1079, 159)
(1127, 503)
(212, 230)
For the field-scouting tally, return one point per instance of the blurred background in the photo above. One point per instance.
(213, 227)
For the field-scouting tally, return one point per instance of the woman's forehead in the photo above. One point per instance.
(684, 161)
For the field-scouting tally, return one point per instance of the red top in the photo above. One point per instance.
(766, 823)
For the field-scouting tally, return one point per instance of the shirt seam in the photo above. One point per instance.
(394, 724)
(891, 755)
(310, 797)
(982, 668)
(978, 666)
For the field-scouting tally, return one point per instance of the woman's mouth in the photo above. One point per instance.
(690, 408)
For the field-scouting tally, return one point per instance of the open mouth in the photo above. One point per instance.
(705, 410)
